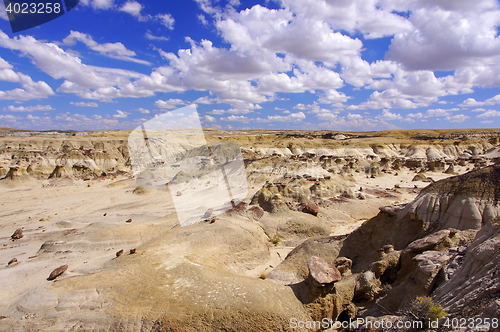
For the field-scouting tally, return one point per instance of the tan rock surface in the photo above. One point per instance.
(208, 276)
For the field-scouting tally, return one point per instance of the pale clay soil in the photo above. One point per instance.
(70, 213)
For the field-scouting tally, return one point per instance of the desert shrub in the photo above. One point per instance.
(275, 239)
(425, 310)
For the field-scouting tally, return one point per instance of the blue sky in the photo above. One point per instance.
(290, 64)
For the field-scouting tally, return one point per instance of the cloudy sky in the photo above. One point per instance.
(284, 64)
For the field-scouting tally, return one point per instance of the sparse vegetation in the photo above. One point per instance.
(425, 310)
(275, 239)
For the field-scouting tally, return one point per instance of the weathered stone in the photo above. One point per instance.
(386, 268)
(18, 234)
(422, 279)
(322, 272)
(311, 209)
(367, 286)
(392, 210)
(343, 264)
(57, 272)
(429, 263)
(451, 170)
(338, 301)
(419, 177)
(475, 283)
(237, 208)
(208, 213)
(269, 199)
(388, 248)
(59, 172)
(428, 242)
(347, 194)
(256, 212)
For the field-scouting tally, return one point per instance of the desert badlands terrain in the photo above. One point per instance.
(394, 225)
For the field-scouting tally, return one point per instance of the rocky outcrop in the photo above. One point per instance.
(80, 157)
(16, 175)
(59, 172)
(294, 268)
(461, 202)
(269, 201)
(344, 265)
(403, 253)
(473, 289)
(205, 276)
(422, 177)
(298, 189)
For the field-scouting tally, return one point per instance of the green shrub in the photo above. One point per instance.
(275, 239)
(424, 310)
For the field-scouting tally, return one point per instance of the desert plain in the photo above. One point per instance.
(335, 225)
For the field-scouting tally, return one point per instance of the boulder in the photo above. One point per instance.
(392, 210)
(343, 264)
(269, 201)
(336, 301)
(311, 209)
(294, 268)
(386, 268)
(428, 242)
(366, 286)
(18, 234)
(419, 177)
(322, 272)
(57, 272)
